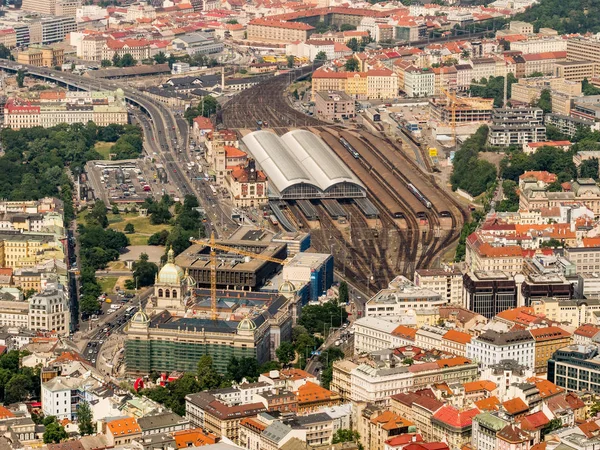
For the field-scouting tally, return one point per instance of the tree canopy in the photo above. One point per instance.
(207, 107)
(565, 16)
(470, 173)
(493, 88)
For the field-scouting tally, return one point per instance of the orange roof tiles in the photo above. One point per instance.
(590, 429)
(544, 176)
(272, 22)
(547, 388)
(591, 242)
(254, 425)
(452, 362)
(457, 336)
(515, 406)
(5, 413)
(291, 374)
(124, 427)
(479, 385)
(405, 331)
(488, 404)
(549, 143)
(204, 123)
(512, 314)
(234, 152)
(389, 420)
(548, 334)
(311, 392)
(195, 437)
(587, 330)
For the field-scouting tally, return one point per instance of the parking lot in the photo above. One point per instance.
(123, 181)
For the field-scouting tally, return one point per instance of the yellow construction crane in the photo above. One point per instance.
(213, 265)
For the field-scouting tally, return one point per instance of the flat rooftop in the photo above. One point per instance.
(198, 255)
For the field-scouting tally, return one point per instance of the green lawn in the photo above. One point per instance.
(107, 283)
(142, 226)
(104, 149)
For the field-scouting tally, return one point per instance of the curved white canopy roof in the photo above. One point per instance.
(299, 156)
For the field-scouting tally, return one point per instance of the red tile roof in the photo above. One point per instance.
(534, 422)
(452, 416)
(587, 330)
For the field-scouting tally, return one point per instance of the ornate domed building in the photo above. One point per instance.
(171, 288)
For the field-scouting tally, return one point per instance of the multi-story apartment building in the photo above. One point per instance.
(547, 341)
(455, 342)
(103, 108)
(49, 310)
(8, 37)
(54, 29)
(464, 76)
(485, 428)
(205, 411)
(583, 191)
(542, 62)
(562, 91)
(483, 254)
(341, 380)
(139, 49)
(376, 383)
(447, 282)
(552, 44)
(91, 47)
(574, 312)
(372, 84)
(491, 347)
(27, 249)
(429, 337)
(373, 333)
(334, 105)
(14, 313)
(266, 29)
(382, 84)
(516, 126)
(419, 82)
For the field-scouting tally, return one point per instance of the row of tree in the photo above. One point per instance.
(98, 246)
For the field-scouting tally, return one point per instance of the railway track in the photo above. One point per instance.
(267, 102)
(456, 211)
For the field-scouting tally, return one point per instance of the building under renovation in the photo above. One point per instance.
(179, 325)
(466, 110)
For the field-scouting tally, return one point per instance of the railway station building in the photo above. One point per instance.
(300, 165)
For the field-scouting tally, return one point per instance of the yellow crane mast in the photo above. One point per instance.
(213, 265)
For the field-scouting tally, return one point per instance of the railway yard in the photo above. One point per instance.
(406, 222)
